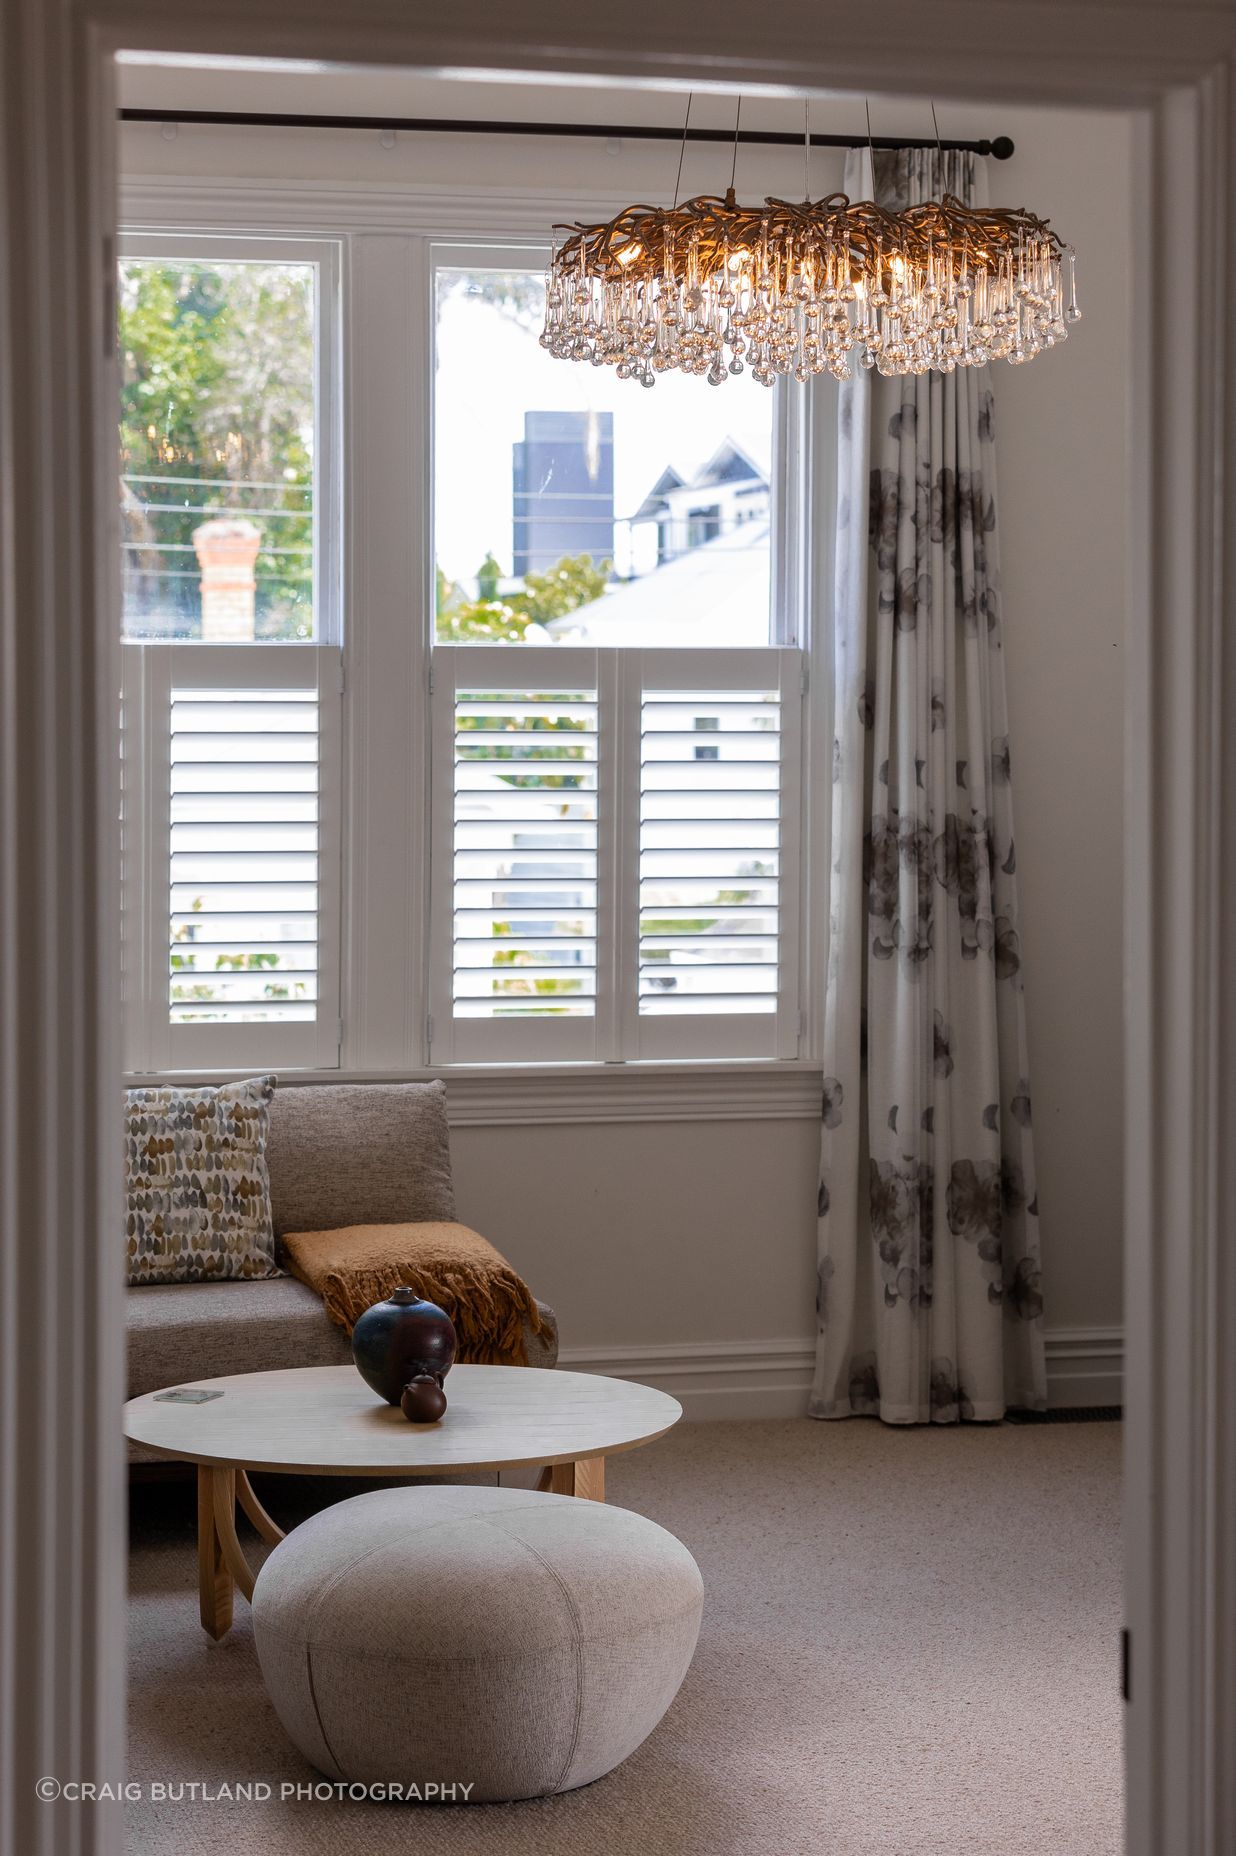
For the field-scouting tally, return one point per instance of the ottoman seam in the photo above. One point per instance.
(317, 1714)
(573, 1608)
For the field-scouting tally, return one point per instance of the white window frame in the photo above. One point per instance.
(151, 669)
(377, 543)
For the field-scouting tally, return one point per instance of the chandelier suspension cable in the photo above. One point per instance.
(682, 149)
(806, 149)
(734, 162)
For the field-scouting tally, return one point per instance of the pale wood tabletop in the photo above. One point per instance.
(324, 1420)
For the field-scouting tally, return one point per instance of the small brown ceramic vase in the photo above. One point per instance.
(423, 1400)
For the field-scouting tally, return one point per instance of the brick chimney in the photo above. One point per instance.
(227, 548)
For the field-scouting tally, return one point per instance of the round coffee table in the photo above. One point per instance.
(325, 1421)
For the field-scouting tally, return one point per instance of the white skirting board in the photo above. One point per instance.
(771, 1378)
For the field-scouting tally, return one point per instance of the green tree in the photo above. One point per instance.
(449, 593)
(481, 621)
(572, 582)
(488, 576)
(216, 415)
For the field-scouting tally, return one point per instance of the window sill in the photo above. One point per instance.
(517, 1095)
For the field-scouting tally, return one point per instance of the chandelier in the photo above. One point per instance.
(713, 288)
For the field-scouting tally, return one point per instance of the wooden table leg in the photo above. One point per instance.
(585, 1480)
(221, 1563)
(224, 1490)
(214, 1581)
(270, 1531)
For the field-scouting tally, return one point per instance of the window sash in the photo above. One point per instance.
(153, 668)
(326, 256)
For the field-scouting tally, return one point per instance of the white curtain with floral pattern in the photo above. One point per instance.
(930, 1306)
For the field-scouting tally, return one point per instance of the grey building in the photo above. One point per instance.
(563, 488)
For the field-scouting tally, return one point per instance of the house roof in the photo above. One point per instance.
(654, 502)
(716, 594)
(729, 463)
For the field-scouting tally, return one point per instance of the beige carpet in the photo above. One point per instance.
(909, 1649)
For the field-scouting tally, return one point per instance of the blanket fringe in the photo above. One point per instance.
(490, 1309)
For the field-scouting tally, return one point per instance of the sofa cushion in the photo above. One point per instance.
(197, 1194)
(359, 1153)
(179, 1332)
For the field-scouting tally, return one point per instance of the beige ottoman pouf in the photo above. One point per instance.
(515, 1643)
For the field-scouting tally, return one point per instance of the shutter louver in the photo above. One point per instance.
(243, 856)
(710, 840)
(525, 853)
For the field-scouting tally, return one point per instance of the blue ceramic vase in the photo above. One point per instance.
(402, 1340)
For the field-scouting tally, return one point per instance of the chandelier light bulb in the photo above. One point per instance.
(716, 289)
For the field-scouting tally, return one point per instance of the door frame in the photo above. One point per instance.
(61, 1488)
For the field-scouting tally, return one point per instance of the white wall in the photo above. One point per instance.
(654, 1234)
(687, 1248)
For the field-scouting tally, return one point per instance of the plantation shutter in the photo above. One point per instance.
(615, 854)
(714, 869)
(522, 828)
(238, 939)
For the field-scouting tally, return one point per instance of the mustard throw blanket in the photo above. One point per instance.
(445, 1263)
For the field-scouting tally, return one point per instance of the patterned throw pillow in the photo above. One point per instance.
(197, 1190)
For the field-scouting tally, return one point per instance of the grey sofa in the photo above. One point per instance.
(338, 1154)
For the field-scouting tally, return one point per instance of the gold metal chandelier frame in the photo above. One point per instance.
(646, 242)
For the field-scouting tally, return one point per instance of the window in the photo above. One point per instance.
(616, 739)
(554, 814)
(231, 656)
(218, 431)
(571, 507)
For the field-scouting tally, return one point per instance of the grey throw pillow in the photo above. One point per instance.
(197, 1192)
(360, 1153)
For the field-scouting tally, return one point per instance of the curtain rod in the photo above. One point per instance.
(1001, 146)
